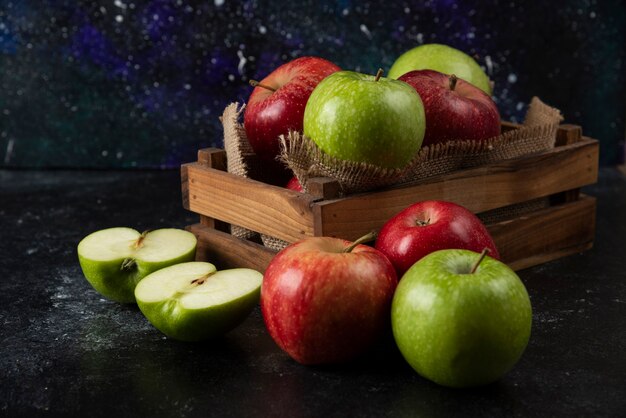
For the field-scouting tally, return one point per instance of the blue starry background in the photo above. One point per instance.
(130, 83)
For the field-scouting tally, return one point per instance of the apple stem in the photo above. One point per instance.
(379, 74)
(453, 80)
(480, 259)
(364, 238)
(255, 83)
(128, 263)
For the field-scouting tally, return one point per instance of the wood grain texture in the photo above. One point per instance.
(226, 251)
(568, 134)
(323, 188)
(213, 158)
(478, 189)
(271, 210)
(546, 234)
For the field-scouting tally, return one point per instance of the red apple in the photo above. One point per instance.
(277, 103)
(430, 226)
(294, 184)
(455, 109)
(325, 300)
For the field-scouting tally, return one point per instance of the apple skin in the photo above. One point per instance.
(444, 59)
(459, 329)
(352, 117)
(295, 185)
(322, 305)
(429, 226)
(270, 114)
(454, 109)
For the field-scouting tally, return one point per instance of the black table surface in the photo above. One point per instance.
(66, 351)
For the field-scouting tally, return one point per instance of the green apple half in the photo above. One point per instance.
(444, 59)
(459, 328)
(193, 301)
(363, 118)
(114, 260)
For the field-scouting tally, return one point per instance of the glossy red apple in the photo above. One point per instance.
(294, 184)
(455, 109)
(277, 103)
(430, 226)
(326, 302)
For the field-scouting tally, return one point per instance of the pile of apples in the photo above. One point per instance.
(459, 316)
(433, 94)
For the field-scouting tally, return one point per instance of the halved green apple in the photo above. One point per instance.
(114, 260)
(193, 301)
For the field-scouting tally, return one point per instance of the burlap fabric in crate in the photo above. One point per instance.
(306, 160)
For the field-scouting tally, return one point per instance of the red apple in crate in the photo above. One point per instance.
(294, 184)
(277, 103)
(325, 300)
(455, 109)
(430, 226)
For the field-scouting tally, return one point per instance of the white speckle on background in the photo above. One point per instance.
(366, 31)
(242, 62)
(512, 78)
(219, 3)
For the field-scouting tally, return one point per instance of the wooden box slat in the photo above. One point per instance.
(478, 189)
(523, 241)
(275, 211)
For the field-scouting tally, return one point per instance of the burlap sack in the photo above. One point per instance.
(306, 160)
(538, 133)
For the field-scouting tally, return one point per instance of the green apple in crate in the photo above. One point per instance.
(114, 260)
(444, 59)
(364, 118)
(193, 301)
(459, 319)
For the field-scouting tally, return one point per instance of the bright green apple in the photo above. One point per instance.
(444, 59)
(114, 260)
(459, 328)
(193, 301)
(363, 118)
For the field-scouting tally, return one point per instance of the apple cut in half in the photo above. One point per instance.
(114, 260)
(193, 301)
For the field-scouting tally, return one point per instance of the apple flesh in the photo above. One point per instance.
(193, 301)
(454, 108)
(277, 104)
(322, 304)
(444, 59)
(429, 226)
(114, 260)
(458, 328)
(363, 118)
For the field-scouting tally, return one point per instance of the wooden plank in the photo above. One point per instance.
(323, 188)
(546, 234)
(271, 210)
(508, 126)
(479, 189)
(226, 251)
(568, 134)
(213, 158)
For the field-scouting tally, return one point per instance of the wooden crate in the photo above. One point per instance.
(564, 227)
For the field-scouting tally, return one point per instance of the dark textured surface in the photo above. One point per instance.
(141, 83)
(65, 351)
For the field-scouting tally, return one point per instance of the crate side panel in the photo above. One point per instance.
(271, 210)
(226, 251)
(478, 189)
(546, 234)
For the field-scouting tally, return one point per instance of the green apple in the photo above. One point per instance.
(444, 59)
(363, 118)
(460, 328)
(193, 301)
(114, 260)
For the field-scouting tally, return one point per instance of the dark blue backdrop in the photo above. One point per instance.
(129, 83)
